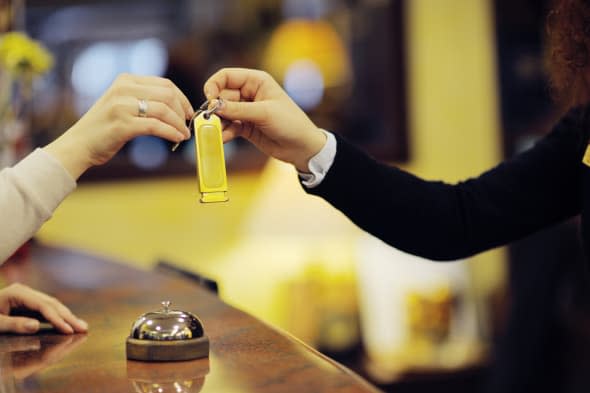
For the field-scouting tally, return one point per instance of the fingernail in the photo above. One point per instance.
(220, 104)
(83, 324)
(32, 325)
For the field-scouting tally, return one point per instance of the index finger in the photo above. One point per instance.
(243, 79)
(156, 80)
(43, 303)
(49, 311)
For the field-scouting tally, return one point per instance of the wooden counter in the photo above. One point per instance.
(246, 354)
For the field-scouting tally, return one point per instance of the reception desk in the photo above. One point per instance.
(246, 355)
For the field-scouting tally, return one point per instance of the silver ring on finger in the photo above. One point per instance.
(142, 108)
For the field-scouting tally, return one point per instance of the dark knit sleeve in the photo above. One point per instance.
(435, 220)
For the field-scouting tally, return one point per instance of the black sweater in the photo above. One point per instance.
(535, 189)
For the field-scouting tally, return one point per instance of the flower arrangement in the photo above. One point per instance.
(22, 60)
(23, 57)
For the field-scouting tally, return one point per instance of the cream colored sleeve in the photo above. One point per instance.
(29, 193)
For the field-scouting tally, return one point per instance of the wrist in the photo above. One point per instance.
(70, 154)
(316, 142)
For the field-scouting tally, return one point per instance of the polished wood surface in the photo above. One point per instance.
(246, 355)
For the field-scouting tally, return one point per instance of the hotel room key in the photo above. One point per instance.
(209, 153)
(210, 158)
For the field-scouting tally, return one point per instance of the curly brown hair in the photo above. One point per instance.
(568, 28)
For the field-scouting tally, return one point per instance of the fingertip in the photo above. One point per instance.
(227, 136)
(180, 137)
(210, 92)
(219, 103)
(66, 328)
(82, 326)
(221, 108)
(188, 107)
(31, 326)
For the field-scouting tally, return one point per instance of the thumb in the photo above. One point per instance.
(254, 112)
(20, 325)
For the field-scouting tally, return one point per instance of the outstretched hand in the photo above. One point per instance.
(258, 109)
(132, 106)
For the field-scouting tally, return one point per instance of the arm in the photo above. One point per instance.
(30, 191)
(431, 219)
(535, 189)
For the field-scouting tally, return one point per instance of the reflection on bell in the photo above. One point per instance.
(167, 335)
(169, 377)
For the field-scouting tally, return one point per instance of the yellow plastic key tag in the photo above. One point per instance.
(210, 158)
(586, 158)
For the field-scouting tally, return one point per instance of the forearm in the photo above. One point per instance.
(445, 222)
(393, 205)
(29, 193)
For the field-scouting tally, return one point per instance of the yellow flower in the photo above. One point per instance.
(22, 56)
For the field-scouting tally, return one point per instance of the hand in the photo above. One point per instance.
(259, 110)
(18, 295)
(115, 119)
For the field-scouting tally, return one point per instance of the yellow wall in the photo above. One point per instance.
(261, 238)
(453, 100)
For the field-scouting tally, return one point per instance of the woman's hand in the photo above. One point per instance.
(116, 118)
(259, 110)
(18, 296)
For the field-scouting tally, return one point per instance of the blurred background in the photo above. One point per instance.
(445, 89)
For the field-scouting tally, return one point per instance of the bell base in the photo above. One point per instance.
(166, 351)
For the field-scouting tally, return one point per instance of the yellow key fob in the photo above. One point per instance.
(586, 158)
(210, 158)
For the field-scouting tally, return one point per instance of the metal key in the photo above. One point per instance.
(203, 108)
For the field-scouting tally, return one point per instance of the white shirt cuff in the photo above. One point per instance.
(320, 164)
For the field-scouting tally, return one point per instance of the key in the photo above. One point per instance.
(201, 109)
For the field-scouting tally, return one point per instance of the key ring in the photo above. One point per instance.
(207, 112)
